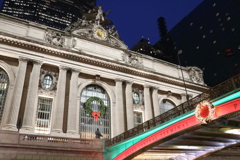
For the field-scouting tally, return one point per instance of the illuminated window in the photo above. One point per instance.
(214, 42)
(219, 19)
(217, 14)
(218, 52)
(233, 29)
(43, 115)
(136, 98)
(166, 105)
(223, 29)
(204, 36)
(191, 24)
(226, 14)
(87, 124)
(137, 118)
(228, 19)
(201, 27)
(197, 47)
(211, 31)
(47, 81)
(235, 64)
(221, 24)
(4, 83)
(214, 4)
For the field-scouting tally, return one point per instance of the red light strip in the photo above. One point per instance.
(220, 110)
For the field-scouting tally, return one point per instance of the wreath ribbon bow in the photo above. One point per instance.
(95, 115)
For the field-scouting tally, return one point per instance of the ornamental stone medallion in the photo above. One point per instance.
(48, 82)
(195, 74)
(54, 38)
(133, 59)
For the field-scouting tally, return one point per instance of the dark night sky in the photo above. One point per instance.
(137, 18)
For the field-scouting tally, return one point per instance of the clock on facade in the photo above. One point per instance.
(100, 33)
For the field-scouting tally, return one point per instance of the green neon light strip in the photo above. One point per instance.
(226, 99)
(122, 146)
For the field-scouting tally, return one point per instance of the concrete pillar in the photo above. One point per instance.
(147, 103)
(156, 105)
(32, 96)
(72, 128)
(59, 103)
(11, 120)
(119, 110)
(129, 106)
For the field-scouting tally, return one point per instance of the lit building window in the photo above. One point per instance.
(201, 27)
(4, 83)
(218, 52)
(214, 4)
(221, 24)
(43, 115)
(223, 29)
(137, 118)
(233, 29)
(191, 24)
(211, 31)
(136, 98)
(204, 36)
(87, 124)
(214, 42)
(197, 47)
(226, 14)
(166, 105)
(217, 14)
(47, 81)
(219, 19)
(228, 19)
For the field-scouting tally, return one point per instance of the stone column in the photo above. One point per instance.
(72, 105)
(119, 110)
(147, 103)
(32, 97)
(156, 105)
(59, 103)
(129, 106)
(11, 120)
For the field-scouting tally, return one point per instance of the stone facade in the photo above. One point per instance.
(29, 53)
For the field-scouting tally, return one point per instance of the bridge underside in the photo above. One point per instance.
(222, 137)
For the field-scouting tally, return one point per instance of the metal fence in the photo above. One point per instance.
(219, 90)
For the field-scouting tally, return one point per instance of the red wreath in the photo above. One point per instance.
(95, 115)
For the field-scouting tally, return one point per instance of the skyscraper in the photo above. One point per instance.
(209, 39)
(53, 13)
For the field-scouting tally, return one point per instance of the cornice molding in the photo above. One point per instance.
(81, 57)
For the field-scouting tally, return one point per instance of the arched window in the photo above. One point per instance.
(4, 83)
(136, 98)
(166, 105)
(87, 124)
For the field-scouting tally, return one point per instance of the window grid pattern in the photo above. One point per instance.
(137, 118)
(87, 125)
(43, 115)
(47, 82)
(166, 105)
(136, 98)
(4, 83)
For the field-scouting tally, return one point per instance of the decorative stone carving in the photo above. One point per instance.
(54, 38)
(138, 106)
(95, 25)
(133, 59)
(51, 88)
(195, 74)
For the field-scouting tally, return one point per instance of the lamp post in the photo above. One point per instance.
(179, 62)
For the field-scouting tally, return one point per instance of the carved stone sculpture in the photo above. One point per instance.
(195, 74)
(54, 38)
